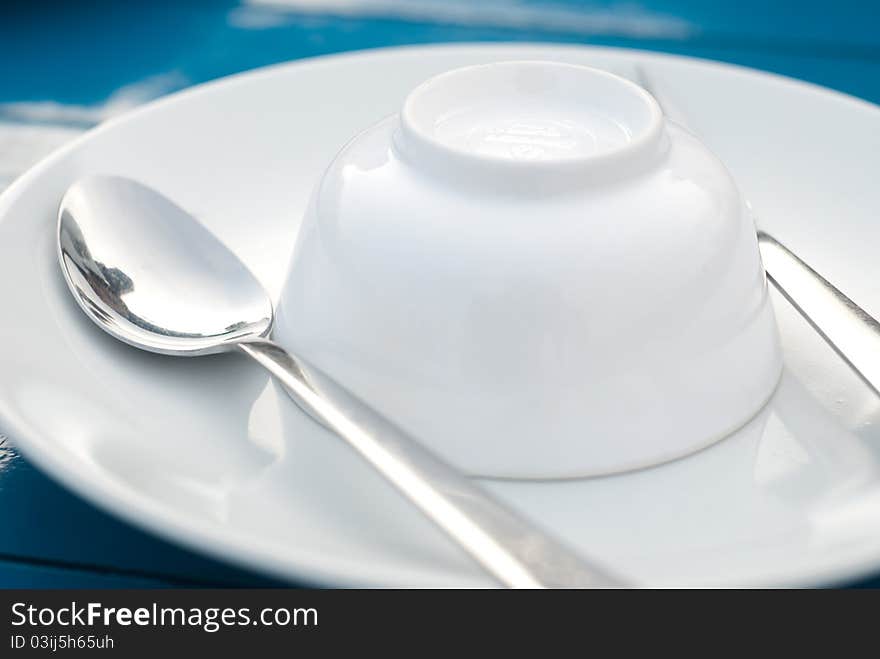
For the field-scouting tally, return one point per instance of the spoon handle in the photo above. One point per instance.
(516, 553)
(850, 330)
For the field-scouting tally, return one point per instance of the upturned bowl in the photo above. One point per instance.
(536, 274)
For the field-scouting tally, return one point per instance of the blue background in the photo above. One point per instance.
(64, 65)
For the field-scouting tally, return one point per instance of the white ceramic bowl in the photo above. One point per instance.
(537, 275)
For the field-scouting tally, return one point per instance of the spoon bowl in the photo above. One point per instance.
(145, 271)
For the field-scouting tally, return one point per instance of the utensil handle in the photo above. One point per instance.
(516, 553)
(850, 330)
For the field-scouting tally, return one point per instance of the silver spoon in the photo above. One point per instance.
(151, 275)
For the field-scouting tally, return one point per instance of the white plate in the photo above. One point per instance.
(208, 453)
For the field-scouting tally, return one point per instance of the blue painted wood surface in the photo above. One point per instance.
(73, 57)
(21, 574)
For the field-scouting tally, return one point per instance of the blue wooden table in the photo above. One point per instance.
(67, 66)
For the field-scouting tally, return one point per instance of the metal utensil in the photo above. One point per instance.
(850, 330)
(151, 275)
